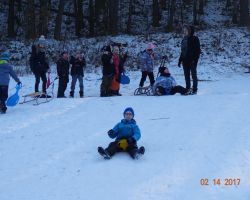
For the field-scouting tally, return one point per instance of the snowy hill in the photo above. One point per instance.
(49, 152)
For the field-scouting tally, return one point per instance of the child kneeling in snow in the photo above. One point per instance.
(126, 134)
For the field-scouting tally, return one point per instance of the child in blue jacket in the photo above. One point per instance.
(6, 71)
(126, 134)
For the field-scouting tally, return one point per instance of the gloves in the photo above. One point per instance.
(131, 140)
(179, 63)
(19, 83)
(111, 132)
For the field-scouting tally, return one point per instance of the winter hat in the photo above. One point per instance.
(41, 40)
(107, 48)
(5, 56)
(162, 69)
(63, 53)
(129, 109)
(150, 46)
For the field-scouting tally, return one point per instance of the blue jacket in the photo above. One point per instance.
(5, 72)
(126, 129)
(167, 82)
(146, 62)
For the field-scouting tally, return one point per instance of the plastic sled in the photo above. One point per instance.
(13, 100)
(124, 79)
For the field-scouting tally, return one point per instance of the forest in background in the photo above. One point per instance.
(71, 19)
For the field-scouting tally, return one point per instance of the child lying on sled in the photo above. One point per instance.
(126, 134)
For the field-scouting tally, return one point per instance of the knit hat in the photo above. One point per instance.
(5, 56)
(162, 69)
(107, 48)
(129, 109)
(41, 40)
(150, 46)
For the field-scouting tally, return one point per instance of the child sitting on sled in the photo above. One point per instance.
(126, 134)
(165, 84)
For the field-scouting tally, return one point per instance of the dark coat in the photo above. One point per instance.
(190, 50)
(77, 66)
(38, 61)
(108, 67)
(63, 69)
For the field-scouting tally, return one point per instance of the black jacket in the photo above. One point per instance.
(63, 69)
(190, 50)
(38, 61)
(108, 67)
(77, 66)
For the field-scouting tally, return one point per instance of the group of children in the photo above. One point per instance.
(126, 133)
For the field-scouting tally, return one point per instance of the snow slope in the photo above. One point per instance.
(49, 152)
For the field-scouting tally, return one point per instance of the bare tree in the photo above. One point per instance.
(244, 12)
(235, 12)
(91, 19)
(163, 4)
(57, 32)
(201, 7)
(156, 13)
(171, 10)
(78, 4)
(11, 19)
(113, 16)
(130, 11)
(43, 18)
(194, 11)
(30, 30)
(228, 4)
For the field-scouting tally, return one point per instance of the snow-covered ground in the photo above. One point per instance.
(49, 152)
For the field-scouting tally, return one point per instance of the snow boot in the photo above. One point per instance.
(104, 153)
(71, 94)
(139, 153)
(81, 94)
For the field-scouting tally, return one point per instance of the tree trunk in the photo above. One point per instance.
(11, 19)
(100, 17)
(130, 10)
(228, 4)
(43, 18)
(201, 7)
(156, 13)
(171, 15)
(113, 16)
(194, 11)
(57, 32)
(182, 17)
(91, 19)
(244, 12)
(79, 17)
(31, 21)
(164, 4)
(235, 12)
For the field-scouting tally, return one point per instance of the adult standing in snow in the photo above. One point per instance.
(190, 53)
(108, 72)
(146, 63)
(39, 64)
(165, 84)
(5, 72)
(63, 74)
(118, 61)
(77, 73)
